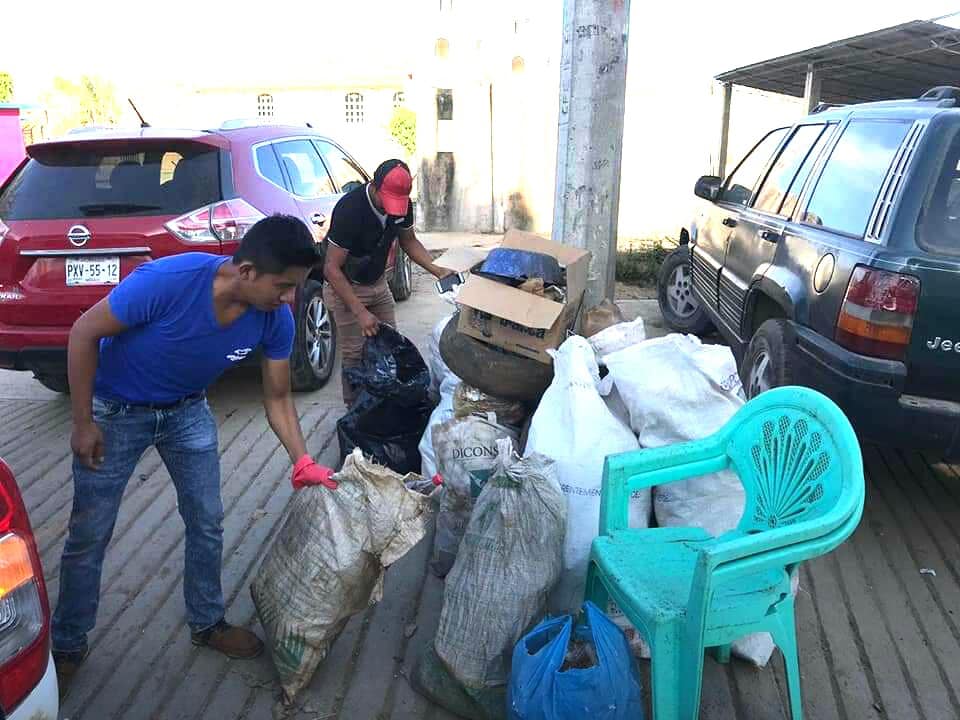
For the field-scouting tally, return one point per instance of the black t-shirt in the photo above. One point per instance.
(365, 234)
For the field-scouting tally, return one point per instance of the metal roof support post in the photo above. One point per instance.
(811, 90)
(721, 169)
(593, 76)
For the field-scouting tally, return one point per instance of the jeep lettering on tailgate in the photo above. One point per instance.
(945, 345)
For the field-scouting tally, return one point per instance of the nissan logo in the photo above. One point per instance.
(78, 235)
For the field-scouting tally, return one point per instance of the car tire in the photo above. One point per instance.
(315, 344)
(57, 382)
(491, 370)
(401, 284)
(768, 363)
(679, 307)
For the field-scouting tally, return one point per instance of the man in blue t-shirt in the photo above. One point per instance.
(139, 364)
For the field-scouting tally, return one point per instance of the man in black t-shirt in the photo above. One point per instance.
(364, 225)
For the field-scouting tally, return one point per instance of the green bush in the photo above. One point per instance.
(640, 262)
(403, 127)
(6, 87)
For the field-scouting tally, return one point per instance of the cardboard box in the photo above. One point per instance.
(512, 319)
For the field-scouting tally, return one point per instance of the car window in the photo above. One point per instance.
(95, 180)
(774, 188)
(800, 179)
(269, 166)
(739, 187)
(308, 177)
(345, 172)
(939, 226)
(850, 181)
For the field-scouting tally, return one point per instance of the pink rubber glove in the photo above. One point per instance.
(306, 472)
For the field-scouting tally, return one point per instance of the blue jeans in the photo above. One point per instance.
(186, 438)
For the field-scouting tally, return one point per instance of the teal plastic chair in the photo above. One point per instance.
(800, 465)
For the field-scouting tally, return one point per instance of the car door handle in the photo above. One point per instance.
(318, 219)
(730, 222)
(769, 235)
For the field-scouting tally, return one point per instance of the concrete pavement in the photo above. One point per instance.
(878, 638)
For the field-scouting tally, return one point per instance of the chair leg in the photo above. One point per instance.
(676, 674)
(721, 653)
(691, 681)
(596, 591)
(665, 681)
(786, 638)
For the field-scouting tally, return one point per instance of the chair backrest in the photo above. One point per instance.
(798, 459)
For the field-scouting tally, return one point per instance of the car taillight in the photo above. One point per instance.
(876, 317)
(24, 612)
(222, 221)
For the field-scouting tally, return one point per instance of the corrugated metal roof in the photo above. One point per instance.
(902, 61)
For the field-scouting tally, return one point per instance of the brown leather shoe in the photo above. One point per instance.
(234, 642)
(67, 664)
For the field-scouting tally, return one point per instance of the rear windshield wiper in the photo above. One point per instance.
(116, 207)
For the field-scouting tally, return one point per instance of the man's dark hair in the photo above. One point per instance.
(277, 243)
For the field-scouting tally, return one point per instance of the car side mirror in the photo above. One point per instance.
(708, 188)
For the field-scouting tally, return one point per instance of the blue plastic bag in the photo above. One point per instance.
(609, 689)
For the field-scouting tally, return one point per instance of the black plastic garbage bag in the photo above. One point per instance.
(393, 405)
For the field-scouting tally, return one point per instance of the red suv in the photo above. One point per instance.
(80, 213)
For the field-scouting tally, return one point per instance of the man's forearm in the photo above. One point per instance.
(83, 352)
(419, 254)
(282, 416)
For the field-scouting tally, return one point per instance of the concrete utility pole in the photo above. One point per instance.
(593, 77)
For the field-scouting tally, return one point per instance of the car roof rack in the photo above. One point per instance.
(945, 95)
(821, 107)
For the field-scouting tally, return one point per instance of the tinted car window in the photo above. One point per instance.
(91, 180)
(345, 172)
(308, 176)
(269, 166)
(800, 179)
(740, 185)
(939, 226)
(778, 180)
(850, 182)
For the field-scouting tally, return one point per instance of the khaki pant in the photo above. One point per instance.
(378, 300)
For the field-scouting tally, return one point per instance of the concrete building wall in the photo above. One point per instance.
(490, 167)
(474, 183)
(668, 142)
(368, 141)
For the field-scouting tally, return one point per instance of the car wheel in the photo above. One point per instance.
(679, 306)
(315, 345)
(492, 370)
(401, 284)
(57, 382)
(767, 363)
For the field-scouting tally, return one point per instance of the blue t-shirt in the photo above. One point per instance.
(174, 346)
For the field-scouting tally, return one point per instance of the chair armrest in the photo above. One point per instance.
(625, 473)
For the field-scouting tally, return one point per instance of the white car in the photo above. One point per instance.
(28, 680)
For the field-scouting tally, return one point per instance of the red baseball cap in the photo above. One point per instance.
(394, 182)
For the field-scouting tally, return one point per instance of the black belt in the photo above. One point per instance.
(168, 406)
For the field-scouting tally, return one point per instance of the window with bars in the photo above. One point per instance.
(353, 104)
(399, 99)
(265, 105)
